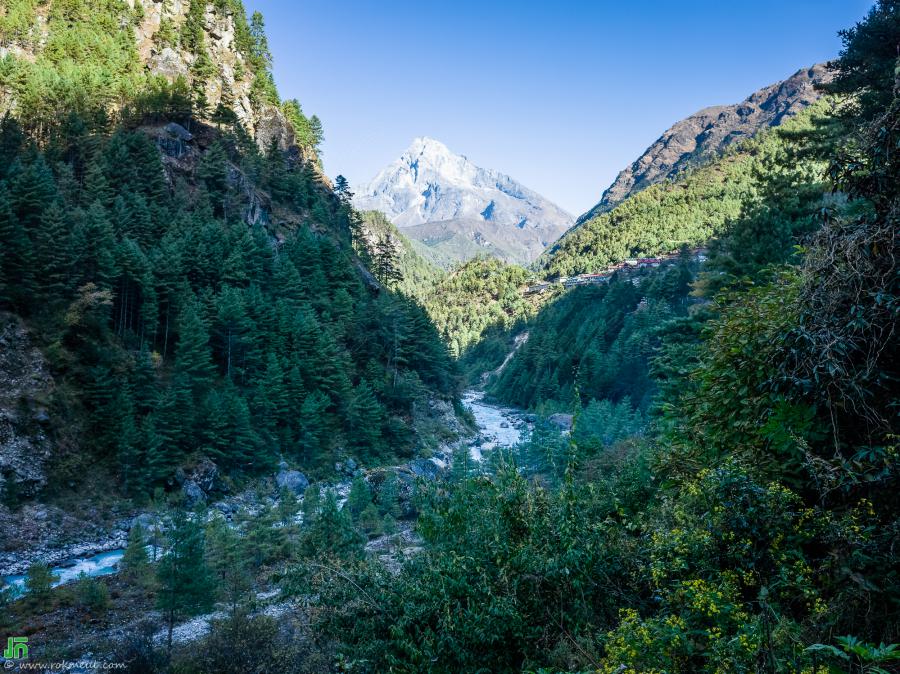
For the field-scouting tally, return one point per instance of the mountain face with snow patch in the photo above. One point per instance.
(458, 210)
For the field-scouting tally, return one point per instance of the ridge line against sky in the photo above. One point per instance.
(559, 96)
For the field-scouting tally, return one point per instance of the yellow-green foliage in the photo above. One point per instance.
(88, 63)
(689, 210)
(17, 19)
(480, 294)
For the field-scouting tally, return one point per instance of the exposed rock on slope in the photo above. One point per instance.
(218, 66)
(25, 386)
(708, 132)
(459, 210)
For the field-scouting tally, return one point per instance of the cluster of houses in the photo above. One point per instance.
(604, 276)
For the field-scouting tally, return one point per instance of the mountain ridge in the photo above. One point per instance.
(460, 210)
(706, 133)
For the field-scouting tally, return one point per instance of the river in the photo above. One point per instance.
(498, 428)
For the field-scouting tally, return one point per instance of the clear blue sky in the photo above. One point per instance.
(560, 94)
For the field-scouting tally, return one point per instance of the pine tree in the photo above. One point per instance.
(186, 584)
(229, 563)
(317, 132)
(385, 264)
(389, 497)
(342, 189)
(135, 562)
(192, 354)
(33, 189)
(53, 251)
(231, 330)
(313, 424)
(360, 496)
(312, 502)
(271, 396)
(331, 533)
(213, 172)
(94, 244)
(17, 256)
(365, 416)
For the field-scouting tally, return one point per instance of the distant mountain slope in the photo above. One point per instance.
(690, 210)
(708, 132)
(459, 210)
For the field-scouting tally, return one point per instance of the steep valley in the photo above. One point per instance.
(256, 420)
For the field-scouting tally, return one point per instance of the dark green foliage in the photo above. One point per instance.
(330, 532)
(415, 275)
(230, 563)
(597, 339)
(181, 329)
(91, 594)
(866, 68)
(186, 584)
(135, 562)
(360, 497)
(39, 581)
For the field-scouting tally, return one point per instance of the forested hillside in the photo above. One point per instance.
(595, 342)
(759, 201)
(395, 257)
(690, 210)
(195, 295)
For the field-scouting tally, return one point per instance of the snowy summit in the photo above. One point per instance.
(459, 210)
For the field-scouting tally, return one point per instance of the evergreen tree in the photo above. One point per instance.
(94, 243)
(312, 501)
(186, 584)
(389, 497)
(360, 496)
(313, 424)
(331, 533)
(53, 250)
(135, 561)
(365, 417)
(384, 260)
(229, 563)
(342, 189)
(18, 266)
(192, 354)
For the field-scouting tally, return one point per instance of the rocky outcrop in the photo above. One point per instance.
(448, 203)
(707, 133)
(230, 85)
(25, 386)
(292, 480)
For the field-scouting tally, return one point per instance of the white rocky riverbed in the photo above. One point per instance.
(498, 428)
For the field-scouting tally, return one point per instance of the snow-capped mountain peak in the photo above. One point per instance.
(430, 184)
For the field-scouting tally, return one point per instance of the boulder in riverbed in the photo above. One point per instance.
(562, 421)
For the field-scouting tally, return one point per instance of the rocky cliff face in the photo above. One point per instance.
(157, 26)
(234, 80)
(460, 210)
(25, 387)
(706, 133)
